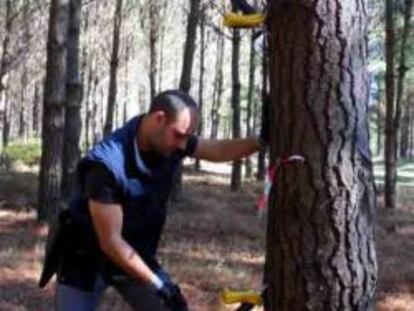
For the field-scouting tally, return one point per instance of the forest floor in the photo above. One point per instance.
(214, 239)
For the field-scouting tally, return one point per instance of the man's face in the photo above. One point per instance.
(171, 135)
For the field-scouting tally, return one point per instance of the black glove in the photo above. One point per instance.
(171, 294)
(244, 6)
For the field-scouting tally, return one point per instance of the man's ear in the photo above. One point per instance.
(160, 117)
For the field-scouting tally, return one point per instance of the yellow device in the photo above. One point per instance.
(235, 20)
(249, 297)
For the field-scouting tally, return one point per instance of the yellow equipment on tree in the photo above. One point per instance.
(248, 18)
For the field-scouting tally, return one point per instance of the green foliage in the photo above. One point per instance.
(26, 152)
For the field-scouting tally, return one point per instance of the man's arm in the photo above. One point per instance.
(107, 220)
(226, 150)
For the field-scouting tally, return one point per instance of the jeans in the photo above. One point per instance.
(140, 296)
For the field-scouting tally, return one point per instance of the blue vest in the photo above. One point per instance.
(143, 195)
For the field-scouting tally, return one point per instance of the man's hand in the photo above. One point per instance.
(171, 294)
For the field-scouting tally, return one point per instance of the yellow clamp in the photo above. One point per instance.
(235, 20)
(250, 297)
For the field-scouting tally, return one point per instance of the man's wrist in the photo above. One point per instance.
(157, 282)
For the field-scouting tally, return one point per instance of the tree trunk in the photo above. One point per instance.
(401, 78)
(390, 147)
(261, 163)
(153, 38)
(320, 246)
(218, 89)
(250, 100)
(235, 103)
(190, 45)
(5, 56)
(185, 81)
(201, 80)
(113, 85)
(53, 111)
(36, 111)
(6, 120)
(73, 121)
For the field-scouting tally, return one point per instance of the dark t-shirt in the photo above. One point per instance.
(101, 186)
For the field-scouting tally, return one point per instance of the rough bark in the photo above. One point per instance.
(390, 147)
(53, 111)
(113, 71)
(73, 121)
(5, 56)
(320, 246)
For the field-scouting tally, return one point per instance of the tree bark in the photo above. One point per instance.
(53, 111)
(73, 121)
(250, 103)
(402, 69)
(261, 163)
(390, 147)
(185, 81)
(235, 103)
(36, 111)
(153, 38)
(113, 84)
(320, 241)
(201, 80)
(218, 89)
(190, 45)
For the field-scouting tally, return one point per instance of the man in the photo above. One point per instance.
(114, 222)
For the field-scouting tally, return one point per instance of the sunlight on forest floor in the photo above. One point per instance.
(213, 240)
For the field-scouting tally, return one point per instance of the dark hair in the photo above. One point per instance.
(172, 102)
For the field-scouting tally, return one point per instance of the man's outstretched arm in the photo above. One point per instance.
(227, 149)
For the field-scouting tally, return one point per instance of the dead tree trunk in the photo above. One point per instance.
(218, 89)
(402, 70)
(201, 79)
(113, 84)
(73, 121)
(53, 111)
(235, 103)
(185, 81)
(320, 245)
(250, 103)
(390, 147)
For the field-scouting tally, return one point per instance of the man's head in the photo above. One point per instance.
(173, 117)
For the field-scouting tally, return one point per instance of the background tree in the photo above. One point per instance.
(53, 111)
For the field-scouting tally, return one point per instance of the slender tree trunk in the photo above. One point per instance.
(190, 45)
(201, 79)
(320, 245)
(380, 126)
(261, 163)
(153, 38)
(53, 111)
(73, 121)
(250, 103)
(235, 103)
(36, 111)
(185, 81)
(6, 120)
(401, 77)
(5, 56)
(215, 110)
(390, 130)
(113, 84)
